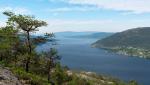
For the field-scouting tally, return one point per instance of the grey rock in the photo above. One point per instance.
(8, 78)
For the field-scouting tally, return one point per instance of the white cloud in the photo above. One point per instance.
(52, 0)
(57, 0)
(133, 6)
(73, 25)
(17, 10)
(92, 25)
(72, 9)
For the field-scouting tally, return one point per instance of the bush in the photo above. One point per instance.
(59, 76)
(31, 78)
(78, 81)
(133, 82)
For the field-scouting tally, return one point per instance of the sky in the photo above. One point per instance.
(82, 15)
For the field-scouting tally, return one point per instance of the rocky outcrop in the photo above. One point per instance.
(7, 77)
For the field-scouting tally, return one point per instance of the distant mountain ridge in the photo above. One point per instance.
(85, 34)
(137, 37)
(98, 35)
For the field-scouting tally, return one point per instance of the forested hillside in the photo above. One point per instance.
(133, 41)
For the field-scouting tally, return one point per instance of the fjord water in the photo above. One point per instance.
(78, 54)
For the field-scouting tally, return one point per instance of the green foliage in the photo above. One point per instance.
(49, 35)
(39, 40)
(30, 78)
(78, 81)
(8, 40)
(133, 42)
(27, 24)
(133, 82)
(24, 22)
(59, 76)
(137, 38)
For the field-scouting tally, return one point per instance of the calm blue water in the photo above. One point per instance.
(77, 54)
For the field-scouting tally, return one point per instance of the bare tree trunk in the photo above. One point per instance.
(27, 65)
(49, 76)
(49, 70)
(29, 50)
(29, 43)
(1, 57)
(15, 60)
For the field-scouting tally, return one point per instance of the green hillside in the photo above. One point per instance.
(136, 40)
(137, 37)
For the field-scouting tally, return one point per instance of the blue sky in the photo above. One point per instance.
(82, 15)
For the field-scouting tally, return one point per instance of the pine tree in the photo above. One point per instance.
(26, 24)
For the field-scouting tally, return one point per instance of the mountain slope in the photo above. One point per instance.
(132, 42)
(137, 37)
(70, 33)
(97, 35)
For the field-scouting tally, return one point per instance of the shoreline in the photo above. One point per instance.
(127, 51)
